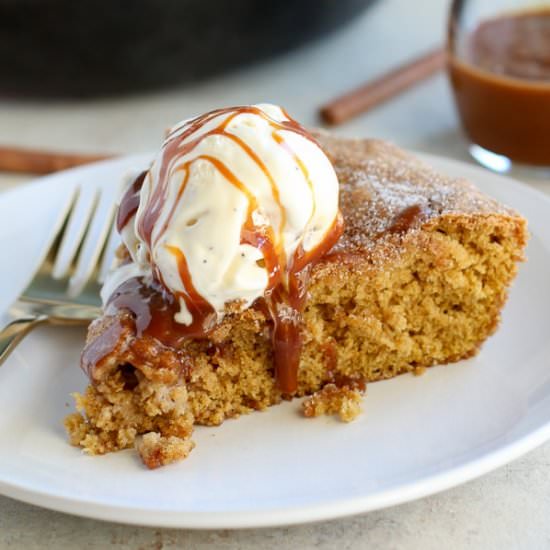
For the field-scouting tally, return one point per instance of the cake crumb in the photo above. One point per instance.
(156, 451)
(419, 371)
(331, 399)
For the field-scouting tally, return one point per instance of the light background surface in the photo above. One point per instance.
(508, 508)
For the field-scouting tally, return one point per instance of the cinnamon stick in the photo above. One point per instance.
(383, 88)
(30, 161)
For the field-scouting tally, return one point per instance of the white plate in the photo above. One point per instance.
(418, 435)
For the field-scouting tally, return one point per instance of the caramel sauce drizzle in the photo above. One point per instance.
(285, 306)
(285, 296)
(280, 140)
(405, 219)
(129, 203)
(202, 312)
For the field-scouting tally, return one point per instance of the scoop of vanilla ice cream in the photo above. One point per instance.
(214, 174)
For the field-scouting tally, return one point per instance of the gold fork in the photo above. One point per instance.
(65, 288)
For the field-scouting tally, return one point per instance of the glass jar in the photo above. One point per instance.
(499, 69)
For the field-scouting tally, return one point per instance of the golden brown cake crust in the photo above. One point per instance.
(379, 181)
(418, 278)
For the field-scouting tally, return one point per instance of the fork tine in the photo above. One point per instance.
(94, 241)
(55, 236)
(86, 197)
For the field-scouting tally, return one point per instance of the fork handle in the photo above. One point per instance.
(15, 331)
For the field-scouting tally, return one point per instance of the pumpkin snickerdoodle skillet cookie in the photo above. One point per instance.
(261, 262)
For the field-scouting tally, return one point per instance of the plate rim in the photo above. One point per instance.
(279, 517)
(338, 507)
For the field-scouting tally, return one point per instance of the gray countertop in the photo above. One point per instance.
(508, 508)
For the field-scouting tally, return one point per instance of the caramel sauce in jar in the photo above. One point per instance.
(500, 75)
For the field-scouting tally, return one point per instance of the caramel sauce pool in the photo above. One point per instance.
(502, 86)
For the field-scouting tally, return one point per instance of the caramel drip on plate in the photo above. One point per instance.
(285, 295)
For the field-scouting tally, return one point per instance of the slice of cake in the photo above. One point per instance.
(248, 276)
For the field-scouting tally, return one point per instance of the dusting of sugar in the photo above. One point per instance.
(379, 182)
